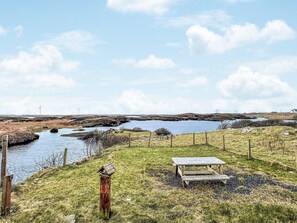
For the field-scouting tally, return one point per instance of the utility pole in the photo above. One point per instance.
(40, 110)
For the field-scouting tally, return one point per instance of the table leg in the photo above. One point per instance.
(176, 170)
(220, 169)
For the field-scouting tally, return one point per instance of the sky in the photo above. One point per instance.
(147, 56)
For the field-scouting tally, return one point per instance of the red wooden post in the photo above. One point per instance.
(206, 139)
(171, 140)
(105, 184)
(129, 139)
(194, 140)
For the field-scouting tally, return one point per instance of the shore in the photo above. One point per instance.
(22, 129)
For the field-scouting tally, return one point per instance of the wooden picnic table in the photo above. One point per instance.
(184, 167)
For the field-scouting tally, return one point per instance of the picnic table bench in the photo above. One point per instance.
(188, 169)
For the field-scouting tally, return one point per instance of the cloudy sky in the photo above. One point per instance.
(147, 56)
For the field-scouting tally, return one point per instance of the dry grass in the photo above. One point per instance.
(145, 189)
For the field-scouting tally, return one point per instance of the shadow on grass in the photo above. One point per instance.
(238, 184)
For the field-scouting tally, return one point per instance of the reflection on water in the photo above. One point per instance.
(21, 159)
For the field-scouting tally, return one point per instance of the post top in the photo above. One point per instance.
(107, 169)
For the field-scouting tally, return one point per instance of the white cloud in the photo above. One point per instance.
(124, 62)
(157, 7)
(246, 84)
(2, 31)
(41, 66)
(77, 41)
(19, 106)
(137, 102)
(203, 40)
(214, 18)
(276, 66)
(200, 81)
(19, 31)
(151, 62)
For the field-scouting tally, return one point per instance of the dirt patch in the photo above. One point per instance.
(238, 184)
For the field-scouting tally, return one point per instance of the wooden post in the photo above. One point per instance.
(129, 139)
(4, 157)
(149, 143)
(105, 184)
(6, 195)
(250, 150)
(194, 139)
(224, 146)
(206, 140)
(296, 157)
(171, 140)
(65, 157)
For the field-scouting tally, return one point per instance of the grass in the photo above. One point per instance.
(145, 189)
(279, 154)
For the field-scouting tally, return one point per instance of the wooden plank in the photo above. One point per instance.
(197, 161)
(198, 172)
(205, 178)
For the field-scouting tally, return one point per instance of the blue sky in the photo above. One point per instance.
(152, 56)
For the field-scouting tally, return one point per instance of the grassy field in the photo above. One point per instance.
(275, 145)
(145, 189)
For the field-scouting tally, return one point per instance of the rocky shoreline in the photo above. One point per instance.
(20, 138)
(191, 116)
(21, 128)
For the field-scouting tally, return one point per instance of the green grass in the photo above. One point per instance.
(237, 142)
(142, 191)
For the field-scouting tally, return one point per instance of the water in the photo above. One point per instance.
(175, 127)
(22, 159)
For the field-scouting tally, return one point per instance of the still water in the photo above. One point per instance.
(22, 159)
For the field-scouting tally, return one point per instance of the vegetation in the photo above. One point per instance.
(249, 123)
(162, 132)
(145, 188)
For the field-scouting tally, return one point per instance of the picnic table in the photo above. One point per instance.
(199, 169)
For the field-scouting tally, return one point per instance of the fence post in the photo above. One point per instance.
(206, 139)
(171, 140)
(105, 173)
(4, 157)
(129, 139)
(65, 157)
(224, 146)
(6, 195)
(250, 150)
(194, 139)
(296, 157)
(149, 143)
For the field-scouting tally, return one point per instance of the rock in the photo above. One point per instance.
(79, 130)
(70, 218)
(54, 130)
(247, 130)
(285, 133)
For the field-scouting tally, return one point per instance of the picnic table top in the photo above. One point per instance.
(197, 161)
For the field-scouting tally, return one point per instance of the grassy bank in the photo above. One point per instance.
(145, 189)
